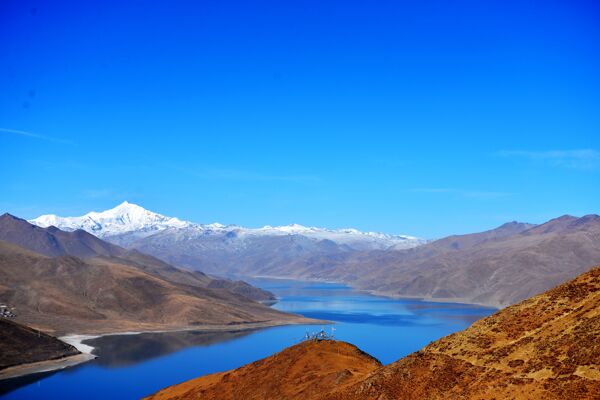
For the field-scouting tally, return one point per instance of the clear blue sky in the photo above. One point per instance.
(420, 117)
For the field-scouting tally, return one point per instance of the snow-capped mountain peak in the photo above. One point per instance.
(124, 218)
(137, 222)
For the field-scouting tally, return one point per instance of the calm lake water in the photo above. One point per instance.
(132, 366)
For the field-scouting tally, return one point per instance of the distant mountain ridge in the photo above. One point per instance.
(130, 221)
(497, 267)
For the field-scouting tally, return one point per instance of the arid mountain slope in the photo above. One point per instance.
(67, 294)
(304, 371)
(547, 347)
(54, 242)
(489, 268)
(20, 344)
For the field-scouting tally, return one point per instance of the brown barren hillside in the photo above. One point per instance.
(547, 347)
(69, 295)
(499, 267)
(304, 371)
(53, 242)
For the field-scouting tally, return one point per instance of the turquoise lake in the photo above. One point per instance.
(133, 366)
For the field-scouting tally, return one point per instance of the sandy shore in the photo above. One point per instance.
(76, 341)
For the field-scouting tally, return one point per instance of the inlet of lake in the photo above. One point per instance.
(133, 366)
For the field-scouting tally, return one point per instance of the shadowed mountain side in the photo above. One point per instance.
(54, 242)
(20, 344)
(304, 371)
(66, 294)
(547, 347)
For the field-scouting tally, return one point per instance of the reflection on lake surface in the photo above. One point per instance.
(124, 350)
(132, 366)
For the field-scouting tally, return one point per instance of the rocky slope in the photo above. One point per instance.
(547, 347)
(20, 344)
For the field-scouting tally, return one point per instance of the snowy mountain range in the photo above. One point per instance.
(128, 222)
(229, 250)
(124, 218)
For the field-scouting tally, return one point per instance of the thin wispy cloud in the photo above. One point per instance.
(244, 175)
(579, 159)
(477, 194)
(32, 135)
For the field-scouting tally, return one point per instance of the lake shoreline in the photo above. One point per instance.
(86, 351)
(18, 371)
